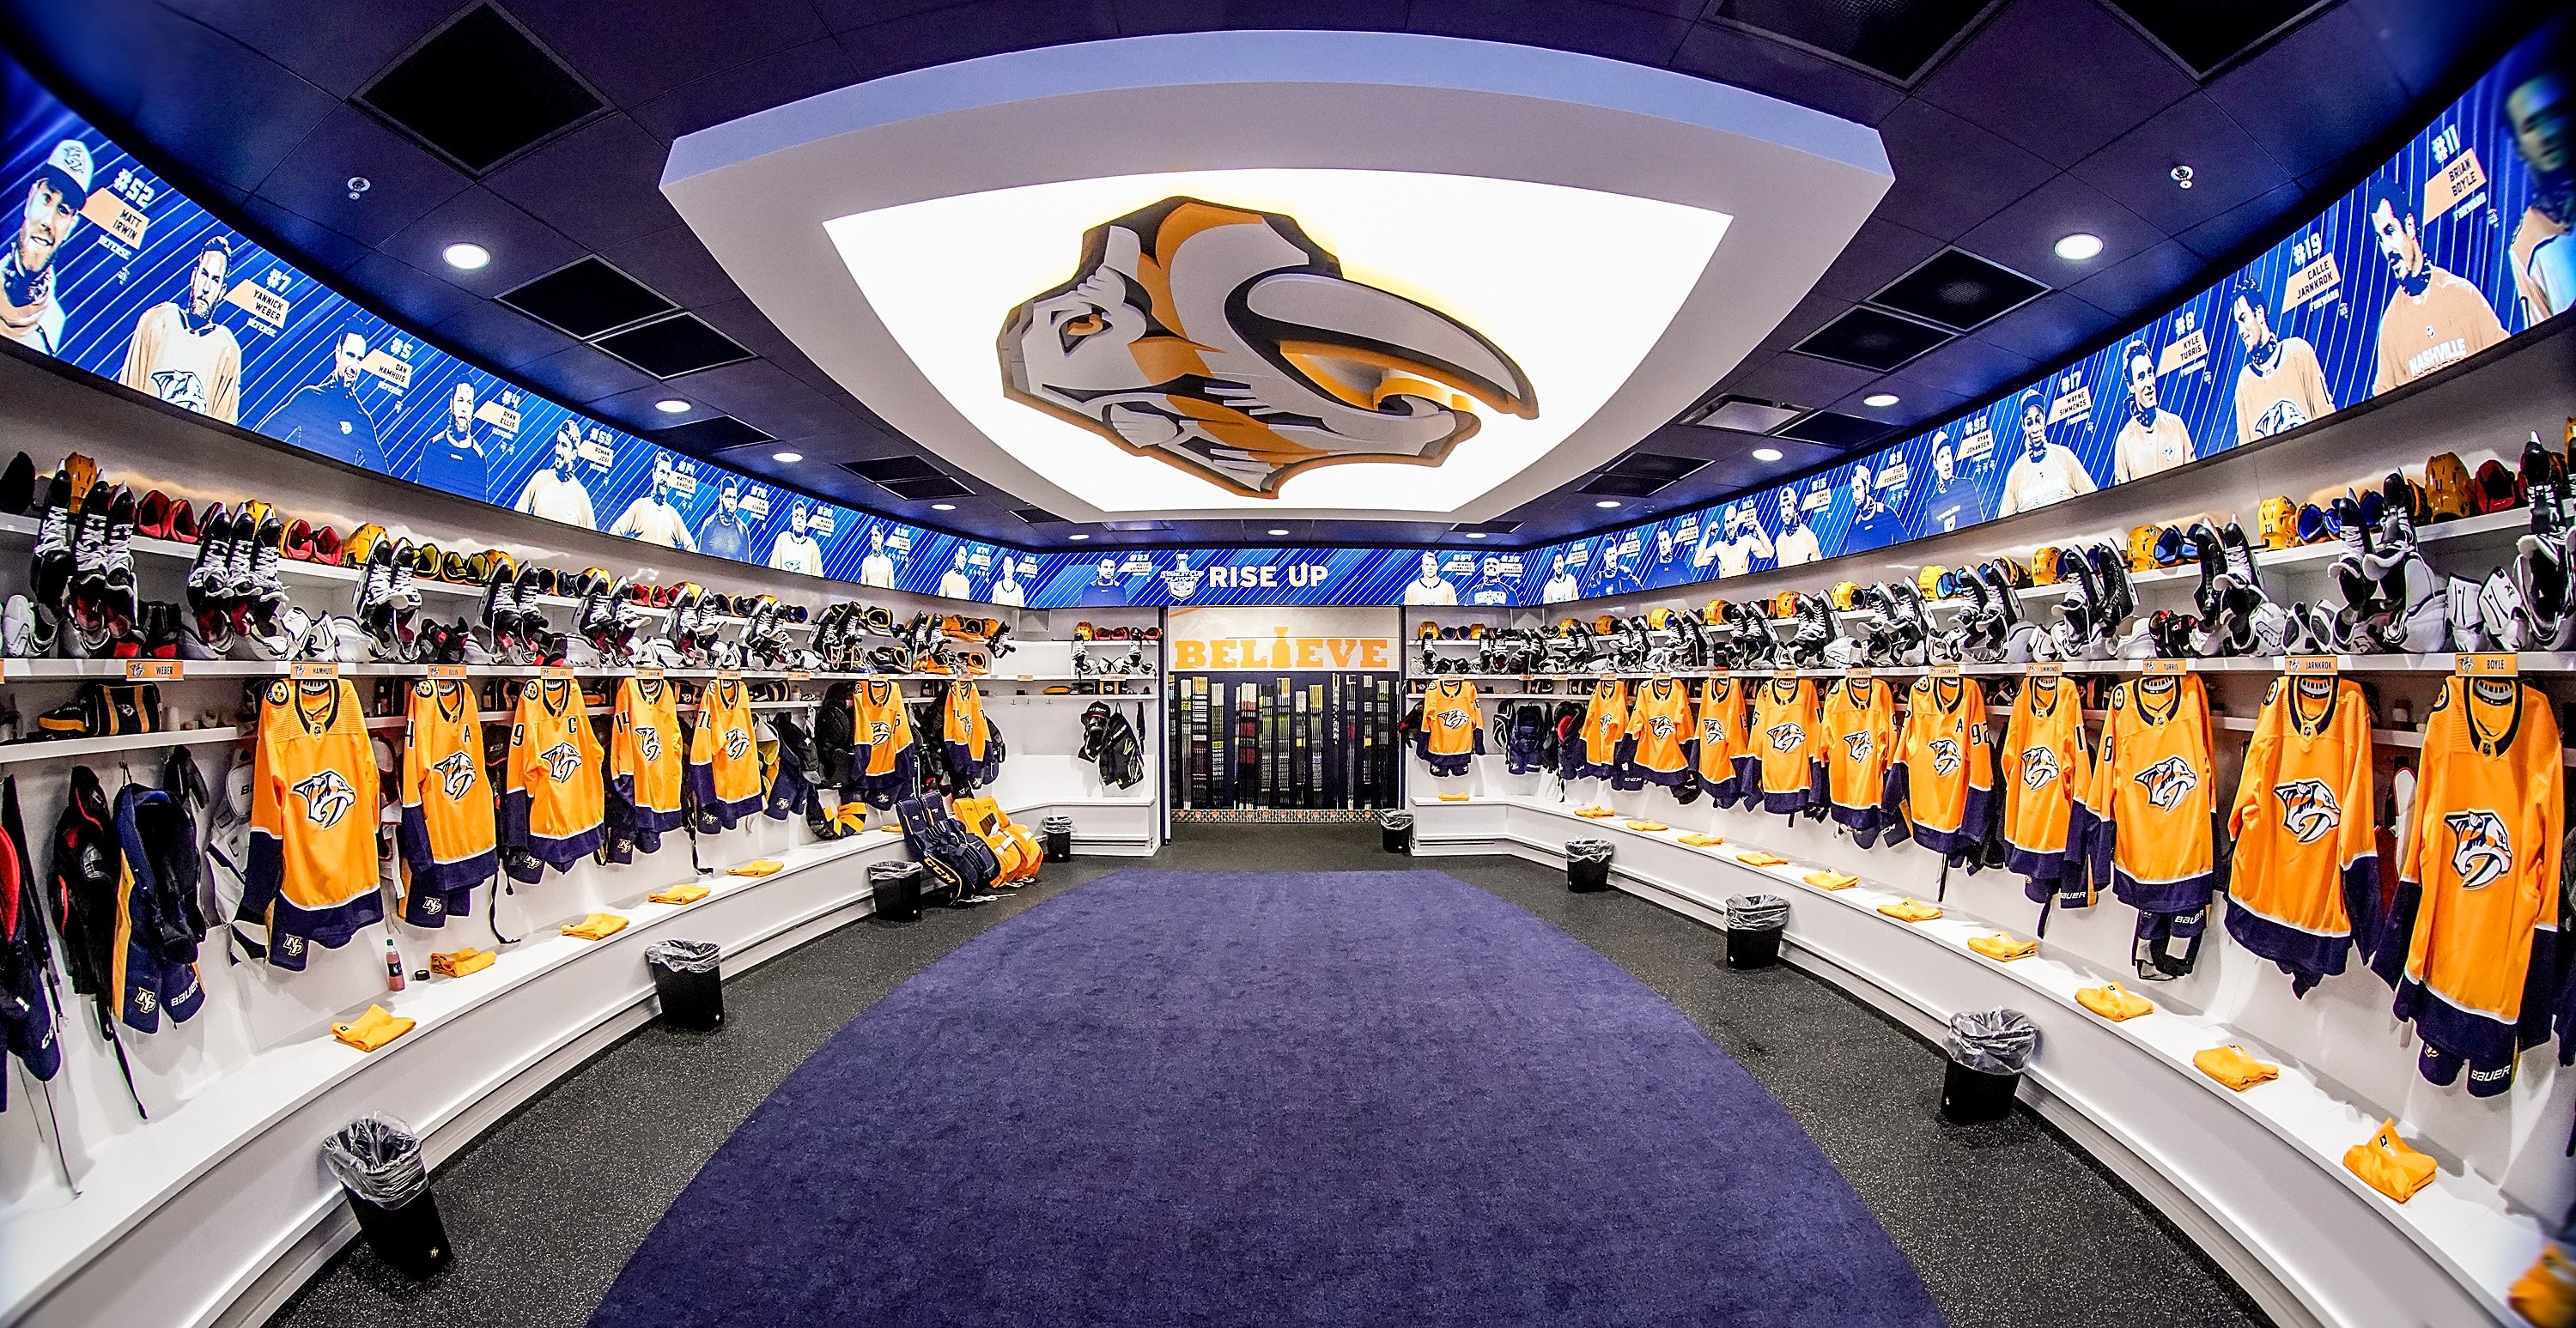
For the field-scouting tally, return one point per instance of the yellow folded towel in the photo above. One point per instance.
(1830, 880)
(373, 1029)
(891, 829)
(1648, 826)
(2003, 948)
(2232, 1066)
(1698, 840)
(458, 963)
(2114, 1002)
(2546, 1291)
(1453, 797)
(1754, 857)
(1910, 910)
(1596, 813)
(2387, 1165)
(688, 893)
(595, 927)
(759, 867)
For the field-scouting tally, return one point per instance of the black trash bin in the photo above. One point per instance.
(1754, 924)
(688, 983)
(1587, 865)
(377, 1160)
(897, 890)
(1395, 831)
(1059, 838)
(1988, 1051)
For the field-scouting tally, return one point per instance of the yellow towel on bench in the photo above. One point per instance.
(2114, 1002)
(1648, 826)
(598, 926)
(373, 1029)
(2234, 1067)
(1910, 910)
(1698, 840)
(2388, 1165)
(688, 893)
(458, 963)
(1754, 857)
(1830, 880)
(2003, 948)
(759, 867)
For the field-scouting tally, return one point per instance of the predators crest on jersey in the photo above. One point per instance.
(2167, 780)
(2308, 809)
(2481, 851)
(1226, 342)
(327, 795)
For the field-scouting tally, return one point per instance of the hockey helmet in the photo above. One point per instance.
(1657, 619)
(1842, 595)
(2446, 489)
(2043, 565)
(2314, 524)
(2276, 523)
(1932, 579)
(2142, 548)
(1785, 604)
(2495, 489)
(1429, 631)
(1081, 631)
(1605, 624)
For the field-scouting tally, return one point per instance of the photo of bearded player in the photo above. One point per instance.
(2281, 385)
(2433, 318)
(29, 313)
(180, 353)
(2536, 110)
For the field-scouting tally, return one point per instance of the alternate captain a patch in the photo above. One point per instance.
(1226, 342)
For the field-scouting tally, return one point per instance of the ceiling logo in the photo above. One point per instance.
(1225, 342)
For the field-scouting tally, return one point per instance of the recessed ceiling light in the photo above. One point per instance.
(943, 507)
(2078, 247)
(1275, 532)
(1475, 534)
(1880, 400)
(1766, 454)
(787, 458)
(1077, 536)
(1607, 503)
(466, 256)
(671, 406)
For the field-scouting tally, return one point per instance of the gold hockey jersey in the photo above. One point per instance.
(450, 842)
(2044, 768)
(1453, 727)
(553, 803)
(2143, 824)
(887, 767)
(1659, 741)
(1940, 789)
(965, 734)
(1859, 718)
(1605, 725)
(646, 769)
(2473, 943)
(2306, 865)
(1721, 738)
(315, 800)
(724, 756)
(1785, 770)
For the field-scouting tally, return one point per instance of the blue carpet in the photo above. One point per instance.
(1201, 1098)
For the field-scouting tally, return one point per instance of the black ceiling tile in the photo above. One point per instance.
(1730, 54)
(1896, 38)
(637, 52)
(314, 247)
(1950, 174)
(587, 298)
(891, 468)
(420, 298)
(1836, 430)
(1140, 17)
(2146, 283)
(922, 491)
(500, 336)
(2049, 328)
(713, 434)
(763, 393)
(481, 91)
(674, 262)
(1592, 27)
(1958, 290)
(1879, 252)
(338, 47)
(598, 185)
(1812, 311)
(2283, 100)
(2247, 223)
(980, 27)
(1872, 339)
(1743, 414)
(674, 346)
(2023, 237)
(1801, 380)
(1972, 367)
(404, 181)
(847, 15)
(579, 373)
(522, 247)
(1918, 404)
(771, 80)
(229, 112)
(2207, 34)
(2425, 43)
(2060, 78)
(2227, 166)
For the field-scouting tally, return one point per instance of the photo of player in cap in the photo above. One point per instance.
(326, 418)
(2042, 472)
(179, 353)
(556, 493)
(2281, 385)
(1949, 500)
(1797, 542)
(2433, 318)
(2151, 438)
(29, 313)
(654, 518)
(796, 549)
(2536, 111)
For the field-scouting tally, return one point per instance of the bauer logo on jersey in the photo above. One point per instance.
(1859, 745)
(737, 742)
(1785, 737)
(1945, 756)
(327, 795)
(648, 740)
(1227, 343)
(2038, 767)
(2308, 809)
(2167, 781)
(2481, 851)
(563, 761)
(455, 774)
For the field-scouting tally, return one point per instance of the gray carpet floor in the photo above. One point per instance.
(2007, 1223)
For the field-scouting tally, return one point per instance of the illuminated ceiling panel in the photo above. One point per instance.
(1620, 235)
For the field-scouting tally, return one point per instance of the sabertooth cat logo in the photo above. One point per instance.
(563, 761)
(648, 740)
(1785, 737)
(2167, 781)
(1945, 756)
(1662, 725)
(1227, 343)
(737, 742)
(2308, 809)
(2481, 851)
(2039, 767)
(1859, 745)
(455, 773)
(327, 795)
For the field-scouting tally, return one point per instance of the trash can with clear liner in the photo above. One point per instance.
(1395, 831)
(686, 979)
(1988, 1050)
(896, 887)
(1753, 927)
(377, 1160)
(1587, 865)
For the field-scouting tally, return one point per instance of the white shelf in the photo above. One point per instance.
(67, 749)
